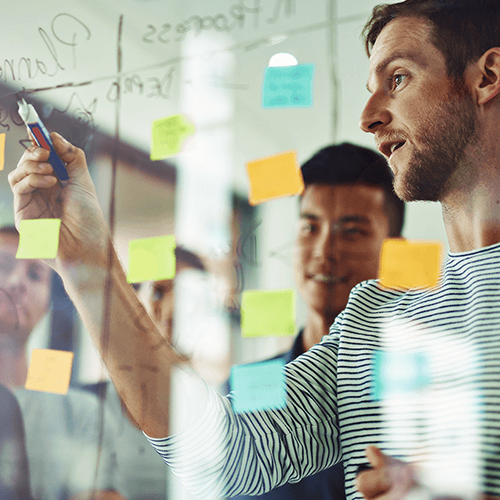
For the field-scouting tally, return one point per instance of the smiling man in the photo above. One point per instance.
(435, 112)
(347, 209)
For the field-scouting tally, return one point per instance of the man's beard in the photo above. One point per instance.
(445, 137)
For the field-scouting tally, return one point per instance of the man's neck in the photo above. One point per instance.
(317, 326)
(13, 366)
(471, 212)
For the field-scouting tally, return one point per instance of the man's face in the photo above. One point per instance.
(423, 121)
(340, 234)
(24, 291)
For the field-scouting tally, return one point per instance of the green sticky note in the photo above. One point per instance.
(151, 259)
(168, 135)
(258, 386)
(268, 313)
(38, 239)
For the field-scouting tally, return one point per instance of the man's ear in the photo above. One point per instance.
(487, 69)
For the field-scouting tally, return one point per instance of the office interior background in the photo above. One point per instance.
(101, 71)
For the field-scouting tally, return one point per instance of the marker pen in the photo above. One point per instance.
(30, 117)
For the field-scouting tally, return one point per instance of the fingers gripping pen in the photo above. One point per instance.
(42, 137)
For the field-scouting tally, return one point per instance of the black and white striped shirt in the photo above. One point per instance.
(450, 422)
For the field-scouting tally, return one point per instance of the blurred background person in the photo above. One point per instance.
(347, 209)
(63, 432)
(144, 471)
(14, 470)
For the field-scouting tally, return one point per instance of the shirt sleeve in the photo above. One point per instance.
(228, 454)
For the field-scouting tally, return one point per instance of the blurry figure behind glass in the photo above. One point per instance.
(62, 432)
(143, 470)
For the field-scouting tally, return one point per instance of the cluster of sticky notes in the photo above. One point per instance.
(409, 264)
(38, 238)
(258, 386)
(168, 135)
(400, 373)
(274, 177)
(288, 86)
(151, 259)
(49, 371)
(267, 313)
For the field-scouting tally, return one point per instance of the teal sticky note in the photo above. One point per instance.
(38, 239)
(268, 313)
(288, 86)
(399, 373)
(151, 259)
(258, 386)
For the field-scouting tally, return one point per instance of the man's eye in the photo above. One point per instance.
(308, 228)
(33, 275)
(352, 231)
(397, 80)
(158, 293)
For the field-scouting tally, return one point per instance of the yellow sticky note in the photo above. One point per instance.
(38, 239)
(267, 313)
(274, 177)
(168, 135)
(49, 371)
(151, 259)
(409, 264)
(2, 151)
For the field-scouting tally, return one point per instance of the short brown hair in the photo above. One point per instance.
(463, 30)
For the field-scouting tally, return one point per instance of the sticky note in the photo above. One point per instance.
(49, 371)
(409, 264)
(288, 86)
(267, 313)
(258, 386)
(399, 373)
(274, 177)
(38, 239)
(168, 136)
(151, 259)
(2, 151)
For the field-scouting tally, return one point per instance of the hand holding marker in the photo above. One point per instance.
(42, 137)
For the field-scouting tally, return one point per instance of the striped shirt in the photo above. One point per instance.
(434, 398)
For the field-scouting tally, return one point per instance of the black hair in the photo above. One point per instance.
(351, 164)
(184, 256)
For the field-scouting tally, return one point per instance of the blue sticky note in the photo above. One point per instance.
(258, 386)
(288, 86)
(400, 373)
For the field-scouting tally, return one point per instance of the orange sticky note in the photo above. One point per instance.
(409, 264)
(2, 151)
(49, 371)
(274, 177)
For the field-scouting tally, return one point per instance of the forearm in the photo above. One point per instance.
(138, 358)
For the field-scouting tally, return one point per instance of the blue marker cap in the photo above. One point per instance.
(42, 137)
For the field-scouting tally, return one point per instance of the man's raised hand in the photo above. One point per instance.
(38, 194)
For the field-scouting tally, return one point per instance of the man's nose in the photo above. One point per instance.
(327, 246)
(375, 114)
